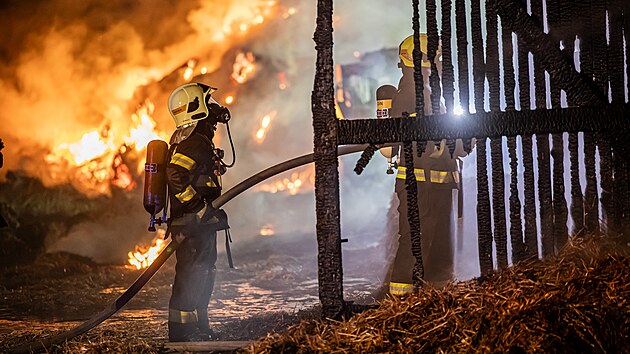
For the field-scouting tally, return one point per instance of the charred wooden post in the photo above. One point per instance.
(560, 213)
(516, 225)
(413, 214)
(542, 145)
(591, 205)
(623, 147)
(601, 76)
(432, 47)
(330, 273)
(448, 75)
(484, 230)
(462, 63)
(496, 144)
(530, 233)
(616, 76)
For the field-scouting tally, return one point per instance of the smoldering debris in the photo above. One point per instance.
(58, 290)
(577, 302)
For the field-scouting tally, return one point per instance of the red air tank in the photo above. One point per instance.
(155, 177)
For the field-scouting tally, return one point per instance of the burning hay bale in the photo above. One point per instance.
(579, 302)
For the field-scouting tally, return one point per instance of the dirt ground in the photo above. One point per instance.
(268, 291)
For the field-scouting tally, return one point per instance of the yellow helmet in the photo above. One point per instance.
(405, 51)
(189, 103)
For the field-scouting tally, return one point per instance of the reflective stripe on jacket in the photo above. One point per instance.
(192, 180)
(435, 176)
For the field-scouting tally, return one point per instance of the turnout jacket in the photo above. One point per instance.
(193, 174)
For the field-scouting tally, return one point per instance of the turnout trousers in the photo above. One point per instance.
(435, 207)
(193, 284)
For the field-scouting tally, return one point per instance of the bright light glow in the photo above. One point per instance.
(265, 121)
(188, 74)
(229, 99)
(302, 181)
(258, 19)
(458, 111)
(91, 146)
(267, 230)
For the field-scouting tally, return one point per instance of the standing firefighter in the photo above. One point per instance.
(436, 176)
(194, 180)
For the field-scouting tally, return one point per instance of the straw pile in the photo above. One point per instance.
(578, 302)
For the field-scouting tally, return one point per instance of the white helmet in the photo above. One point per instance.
(188, 104)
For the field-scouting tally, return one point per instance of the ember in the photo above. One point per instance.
(264, 126)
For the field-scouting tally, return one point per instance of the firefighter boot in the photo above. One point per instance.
(181, 332)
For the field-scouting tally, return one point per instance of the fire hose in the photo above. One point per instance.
(123, 299)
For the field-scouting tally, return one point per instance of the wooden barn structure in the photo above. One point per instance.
(594, 121)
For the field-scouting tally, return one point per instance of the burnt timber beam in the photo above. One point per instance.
(330, 273)
(609, 119)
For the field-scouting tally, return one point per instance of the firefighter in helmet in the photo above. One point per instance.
(436, 176)
(194, 179)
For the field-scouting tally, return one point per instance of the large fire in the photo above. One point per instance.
(97, 159)
(110, 154)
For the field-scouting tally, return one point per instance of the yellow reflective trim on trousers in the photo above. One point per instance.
(186, 195)
(183, 161)
(400, 288)
(182, 316)
(438, 176)
(418, 171)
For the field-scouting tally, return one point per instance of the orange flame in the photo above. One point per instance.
(142, 257)
(122, 176)
(92, 145)
(96, 158)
